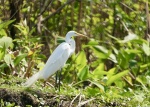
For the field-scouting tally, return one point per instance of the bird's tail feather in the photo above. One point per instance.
(32, 80)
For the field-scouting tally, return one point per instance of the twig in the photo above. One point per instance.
(126, 6)
(85, 102)
(28, 71)
(132, 76)
(43, 10)
(79, 101)
(74, 100)
(127, 81)
(125, 26)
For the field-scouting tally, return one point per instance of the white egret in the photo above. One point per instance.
(57, 60)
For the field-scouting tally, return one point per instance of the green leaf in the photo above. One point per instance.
(101, 48)
(129, 37)
(3, 65)
(99, 71)
(5, 24)
(83, 74)
(23, 29)
(8, 60)
(60, 40)
(111, 72)
(92, 91)
(139, 97)
(3, 32)
(92, 42)
(112, 57)
(134, 51)
(5, 41)
(124, 58)
(116, 77)
(120, 83)
(19, 58)
(81, 60)
(146, 49)
(144, 66)
(97, 84)
(99, 68)
(100, 52)
(2, 52)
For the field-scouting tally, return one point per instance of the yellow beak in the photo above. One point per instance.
(79, 34)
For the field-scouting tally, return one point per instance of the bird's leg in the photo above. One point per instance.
(44, 83)
(59, 79)
(56, 79)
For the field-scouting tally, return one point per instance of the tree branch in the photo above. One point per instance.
(58, 10)
(48, 3)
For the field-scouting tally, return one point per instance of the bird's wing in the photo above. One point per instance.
(58, 52)
(56, 60)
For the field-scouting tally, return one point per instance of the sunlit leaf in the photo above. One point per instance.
(81, 60)
(22, 29)
(101, 48)
(98, 85)
(133, 51)
(83, 74)
(8, 60)
(2, 52)
(100, 67)
(111, 72)
(100, 52)
(99, 71)
(146, 49)
(120, 83)
(3, 32)
(41, 65)
(141, 81)
(93, 42)
(30, 53)
(7, 41)
(116, 77)
(112, 57)
(6, 23)
(129, 37)
(92, 91)
(19, 58)
(115, 50)
(139, 97)
(148, 79)
(144, 66)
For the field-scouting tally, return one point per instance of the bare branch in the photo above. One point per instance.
(126, 6)
(48, 3)
(58, 10)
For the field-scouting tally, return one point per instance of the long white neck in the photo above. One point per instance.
(68, 38)
(70, 41)
(72, 46)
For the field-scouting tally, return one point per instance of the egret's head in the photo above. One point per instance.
(71, 34)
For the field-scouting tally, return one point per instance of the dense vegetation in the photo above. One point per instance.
(110, 68)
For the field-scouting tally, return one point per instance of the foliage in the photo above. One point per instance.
(112, 64)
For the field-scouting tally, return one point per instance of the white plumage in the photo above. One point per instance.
(57, 60)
